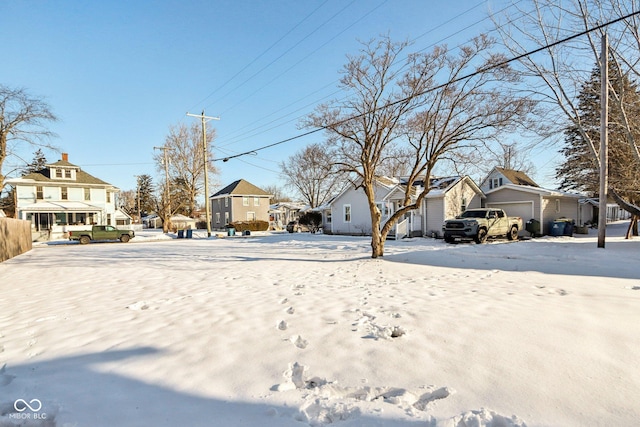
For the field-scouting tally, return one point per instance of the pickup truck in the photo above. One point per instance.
(101, 232)
(479, 224)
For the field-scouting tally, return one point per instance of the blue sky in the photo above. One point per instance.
(120, 73)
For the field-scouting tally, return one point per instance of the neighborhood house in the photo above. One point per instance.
(62, 197)
(239, 201)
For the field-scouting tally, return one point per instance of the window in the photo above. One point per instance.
(226, 217)
(58, 173)
(245, 201)
(67, 173)
(87, 194)
(251, 216)
(463, 205)
(346, 210)
(495, 183)
(256, 201)
(64, 195)
(108, 197)
(39, 193)
(217, 217)
(226, 202)
(557, 205)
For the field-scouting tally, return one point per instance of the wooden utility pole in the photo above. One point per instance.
(207, 208)
(604, 141)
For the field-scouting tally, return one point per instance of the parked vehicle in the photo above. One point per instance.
(296, 227)
(480, 224)
(101, 232)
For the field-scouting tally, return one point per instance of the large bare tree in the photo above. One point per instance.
(185, 154)
(424, 107)
(557, 71)
(23, 120)
(314, 175)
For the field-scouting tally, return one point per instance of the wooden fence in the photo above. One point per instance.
(15, 237)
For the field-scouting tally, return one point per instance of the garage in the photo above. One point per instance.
(522, 209)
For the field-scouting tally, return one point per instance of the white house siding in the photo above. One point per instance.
(558, 207)
(360, 223)
(434, 215)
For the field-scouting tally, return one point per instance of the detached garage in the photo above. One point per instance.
(536, 203)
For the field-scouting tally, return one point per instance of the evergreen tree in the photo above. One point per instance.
(580, 170)
(37, 164)
(147, 199)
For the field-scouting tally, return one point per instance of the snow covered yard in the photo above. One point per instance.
(294, 330)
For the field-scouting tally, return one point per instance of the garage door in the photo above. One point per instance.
(522, 209)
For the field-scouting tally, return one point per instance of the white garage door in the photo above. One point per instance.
(522, 209)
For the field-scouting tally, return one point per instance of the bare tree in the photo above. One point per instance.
(186, 161)
(314, 175)
(279, 194)
(23, 118)
(557, 72)
(402, 107)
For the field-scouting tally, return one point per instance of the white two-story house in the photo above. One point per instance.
(62, 197)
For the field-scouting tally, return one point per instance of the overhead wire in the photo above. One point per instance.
(437, 87)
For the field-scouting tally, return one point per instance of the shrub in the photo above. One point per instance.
(241, 226)
(312, 219)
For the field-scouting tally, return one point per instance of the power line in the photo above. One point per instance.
(441, 86)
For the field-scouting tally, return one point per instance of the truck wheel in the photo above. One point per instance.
(482, 236)
(124, 238)
(84, 240)
(513, 233)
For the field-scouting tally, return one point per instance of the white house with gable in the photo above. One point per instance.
(62, 197)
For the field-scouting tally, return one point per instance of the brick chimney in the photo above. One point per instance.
(65, 157)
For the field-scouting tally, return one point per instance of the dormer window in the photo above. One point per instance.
(67, 173)
(495, 183)
(58, 173)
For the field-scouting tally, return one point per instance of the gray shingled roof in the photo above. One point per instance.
(241, 188)
(81, 176)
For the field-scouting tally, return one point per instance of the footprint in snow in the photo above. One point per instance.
(282, 325)
(299, 342)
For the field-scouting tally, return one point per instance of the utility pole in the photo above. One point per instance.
(604, 141)
(138, 186)
(167, 211)
(207, 208)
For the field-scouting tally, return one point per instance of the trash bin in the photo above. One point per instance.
(231, 231)
(189, 233)
(246, 233)
(569, 225)
(556, 228)
(180, 234)
(533, 227)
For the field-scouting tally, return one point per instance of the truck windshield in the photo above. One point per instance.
(473, 214)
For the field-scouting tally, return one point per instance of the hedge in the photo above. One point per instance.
(241, 226)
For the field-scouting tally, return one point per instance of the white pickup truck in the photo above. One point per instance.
(479, 224)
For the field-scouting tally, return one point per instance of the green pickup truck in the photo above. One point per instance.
(101, 232)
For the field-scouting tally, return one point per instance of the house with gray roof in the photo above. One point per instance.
(239, 201)
(62, 197)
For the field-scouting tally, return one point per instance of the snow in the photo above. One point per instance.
(299, 329)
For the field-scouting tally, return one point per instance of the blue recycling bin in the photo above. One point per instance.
(180, 234)
(231, 231)
(189, 233)
(556, 228)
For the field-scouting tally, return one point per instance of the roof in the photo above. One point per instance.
(241, 188)
(61, 207)
(43, 176)
(536, 190)
(517, 177)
